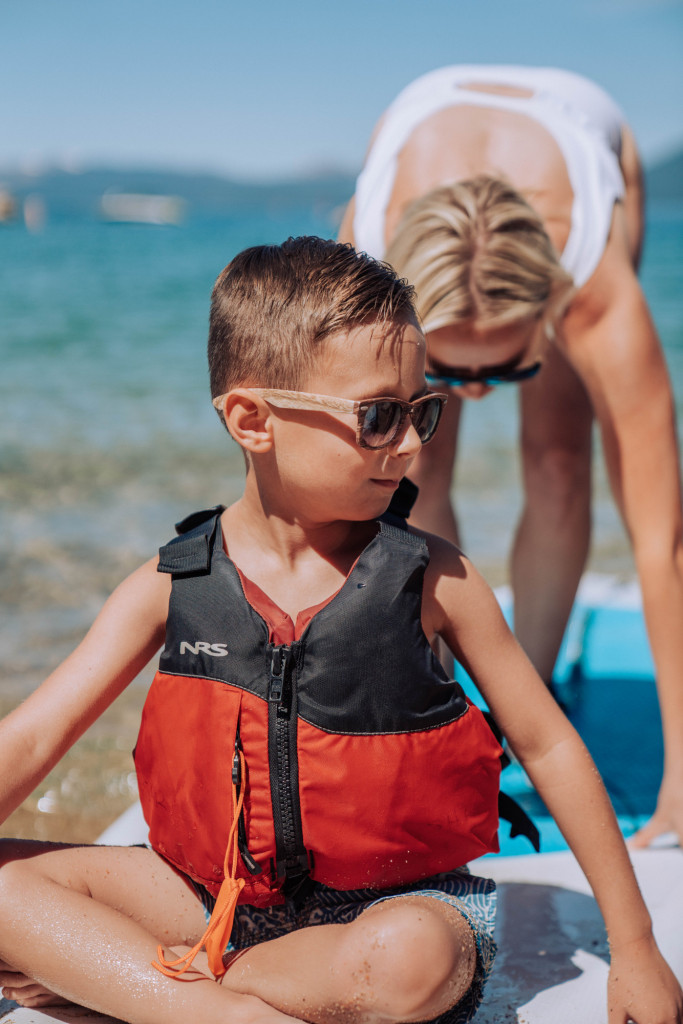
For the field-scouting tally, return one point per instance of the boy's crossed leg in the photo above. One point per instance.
(85, 922)
(408, 958)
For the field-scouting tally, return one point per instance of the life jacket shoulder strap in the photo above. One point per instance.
(394, 522)
(401, 504)
(189, 554)
(401, 534)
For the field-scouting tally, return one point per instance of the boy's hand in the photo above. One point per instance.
(25, 991)
(642, 987)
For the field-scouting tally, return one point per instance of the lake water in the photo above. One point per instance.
(107, 437)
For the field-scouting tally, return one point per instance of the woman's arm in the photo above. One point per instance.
(612, 342)
(560, 767)
(346, 226)
(125, 635)
(634, 196)
(346, 233)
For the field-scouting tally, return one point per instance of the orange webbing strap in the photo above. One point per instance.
(216, 937)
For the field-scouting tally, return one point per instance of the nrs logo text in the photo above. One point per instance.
(202, 647)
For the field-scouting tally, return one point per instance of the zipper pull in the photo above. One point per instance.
(279, 663)
(251, 865)
(276, 675)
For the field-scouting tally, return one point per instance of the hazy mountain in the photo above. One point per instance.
(665, 178)
(79, 194)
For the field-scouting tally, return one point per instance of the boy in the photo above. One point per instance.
(298, 687)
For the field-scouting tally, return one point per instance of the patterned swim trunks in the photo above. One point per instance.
(471, 896)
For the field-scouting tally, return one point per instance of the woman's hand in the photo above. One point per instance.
(642, 987)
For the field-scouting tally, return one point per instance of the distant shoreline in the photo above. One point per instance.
(79, 192)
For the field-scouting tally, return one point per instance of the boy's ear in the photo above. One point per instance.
(248, 420)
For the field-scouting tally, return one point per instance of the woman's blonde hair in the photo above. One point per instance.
(476, 250)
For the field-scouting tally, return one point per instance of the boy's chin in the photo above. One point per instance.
(376, 509)
(371, 503)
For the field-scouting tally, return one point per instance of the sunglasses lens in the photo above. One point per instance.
(426, 418)
(380, 423)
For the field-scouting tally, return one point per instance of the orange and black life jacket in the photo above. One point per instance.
(356, 761)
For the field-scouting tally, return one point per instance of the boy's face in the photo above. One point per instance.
(324, 470)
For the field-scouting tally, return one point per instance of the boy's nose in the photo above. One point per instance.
(409, 442)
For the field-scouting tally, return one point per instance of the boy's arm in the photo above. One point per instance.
(462, 609)
(123, 638)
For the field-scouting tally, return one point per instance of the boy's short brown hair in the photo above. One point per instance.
(273, 305)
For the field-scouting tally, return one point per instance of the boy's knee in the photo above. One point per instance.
(415, 961)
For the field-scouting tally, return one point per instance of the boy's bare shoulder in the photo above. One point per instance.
(149, 582)
(143, 597)
(444, 557)
(454, 591)
(148, 574)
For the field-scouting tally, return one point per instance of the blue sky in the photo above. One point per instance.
(273, 88)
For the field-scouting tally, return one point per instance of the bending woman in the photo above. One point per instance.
(511, 198)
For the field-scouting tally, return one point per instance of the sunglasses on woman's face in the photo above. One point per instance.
(454, 376)
(380, 420)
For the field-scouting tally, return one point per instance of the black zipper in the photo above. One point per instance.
(292, 860)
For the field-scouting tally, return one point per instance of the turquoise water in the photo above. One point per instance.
(605, 678)
(107, 435)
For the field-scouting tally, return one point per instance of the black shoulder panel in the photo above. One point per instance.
(363, 665)
(366, 665)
